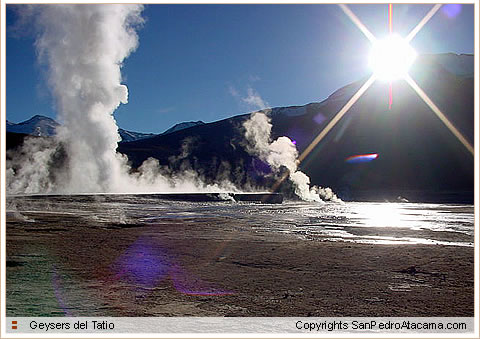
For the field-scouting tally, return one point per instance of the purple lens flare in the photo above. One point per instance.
(355, 159)
(451, 10)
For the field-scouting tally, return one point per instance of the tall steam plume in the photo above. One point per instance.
(84, 51)
(82, 47)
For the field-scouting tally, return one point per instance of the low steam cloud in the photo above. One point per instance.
(281, 153)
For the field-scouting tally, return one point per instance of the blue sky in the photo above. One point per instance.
(197, 62)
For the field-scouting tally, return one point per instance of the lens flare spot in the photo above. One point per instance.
(452, 10)
(144, 262)
(355, 159)
(319, 118)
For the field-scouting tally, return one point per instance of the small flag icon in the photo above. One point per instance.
(14, 325)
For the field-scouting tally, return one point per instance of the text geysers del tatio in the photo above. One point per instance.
(77, 325)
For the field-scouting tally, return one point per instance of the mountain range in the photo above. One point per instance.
(38, 125)
(417, 157)
(42, 126)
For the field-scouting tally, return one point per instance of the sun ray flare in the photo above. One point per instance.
(337, 118)
(439, 114)
(422, 23)
(339, 115)
(357, 22)
(327, 128)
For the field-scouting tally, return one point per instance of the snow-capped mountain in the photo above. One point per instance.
(127, 136)
(43, 126)
(182, 125)
(38, 125)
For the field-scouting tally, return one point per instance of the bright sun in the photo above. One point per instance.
(391, 58)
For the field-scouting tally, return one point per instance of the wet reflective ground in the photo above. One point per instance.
(138, 256)
(362, 222)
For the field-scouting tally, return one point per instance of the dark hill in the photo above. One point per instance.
(418, 157)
